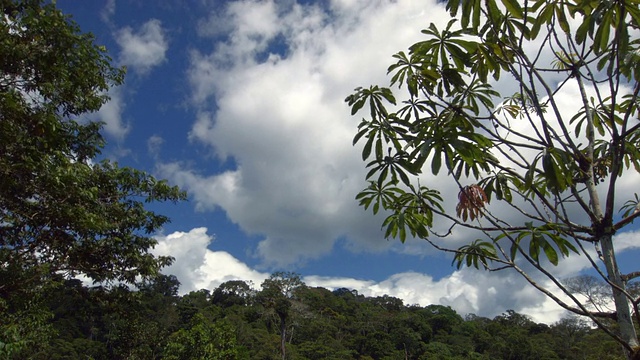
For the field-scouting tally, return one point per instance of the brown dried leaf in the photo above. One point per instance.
(471, 201)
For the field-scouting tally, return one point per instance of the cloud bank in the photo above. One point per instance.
(199, 266)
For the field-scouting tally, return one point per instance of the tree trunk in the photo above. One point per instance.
(623, 312)
(618, 287)
(283, 337)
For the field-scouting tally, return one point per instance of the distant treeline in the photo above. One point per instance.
(286, 319)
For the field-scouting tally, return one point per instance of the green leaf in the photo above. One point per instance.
(562, 19)
(360, 134)
(403, 177)
(601, 39)
(493, 11)
(584, 30)
(379, 154)
(366, 151)
(357, 105)
(544, 17)
(436, 163)
(514, 8)
(550, 252)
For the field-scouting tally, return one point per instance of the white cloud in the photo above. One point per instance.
(108, 10)
(627, 240)
(281, 116)
(111, 114)
(196, 266)
(466, 291)
(154, 145)
(139, 51)
(144, 49)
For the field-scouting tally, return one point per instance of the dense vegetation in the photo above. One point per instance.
(235, 321)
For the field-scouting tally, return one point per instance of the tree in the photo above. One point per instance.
(192, 303)
(204, 340)
(61, 211)
(569, 332)
(232, 292)
(278, 294)
(536, 181)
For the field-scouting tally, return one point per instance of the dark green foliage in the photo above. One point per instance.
(63, 213)
(152, 322)
(230, 293)
(204, 339)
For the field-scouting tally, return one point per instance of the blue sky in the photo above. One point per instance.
(241, 104)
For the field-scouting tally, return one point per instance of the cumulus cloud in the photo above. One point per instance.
(140, 51)
(466, 291)
(199, 266)
(628, 240)
(271, 97)
(196, 266)
(143, 49)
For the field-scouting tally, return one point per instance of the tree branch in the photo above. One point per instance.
(629, 276)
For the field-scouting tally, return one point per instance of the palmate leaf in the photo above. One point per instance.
(631, 206)
(406, 68)
(479, 93)
(600, 114)
(547, 238)
(445, 49)
(412, 213)
(380, 196)
(475, 254)
(498, 185)
(375, 96)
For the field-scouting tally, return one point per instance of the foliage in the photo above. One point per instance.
(115, 323)
(278, 296)
(537, 180)
(61, 211)
(204, 340)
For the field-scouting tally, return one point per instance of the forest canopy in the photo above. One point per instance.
(238, 320)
